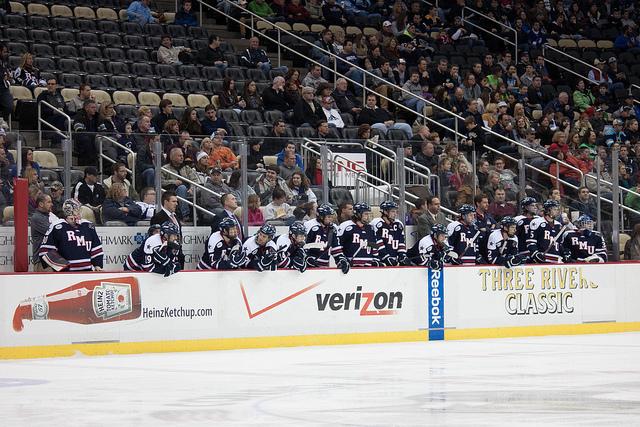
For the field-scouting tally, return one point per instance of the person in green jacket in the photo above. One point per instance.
(582, 97)
(631, 200)
(261, 8)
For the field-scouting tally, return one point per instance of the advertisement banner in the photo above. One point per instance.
(89, 308)
(435, 300)
(344, 177)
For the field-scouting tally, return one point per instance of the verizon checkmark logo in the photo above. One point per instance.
(275, 304)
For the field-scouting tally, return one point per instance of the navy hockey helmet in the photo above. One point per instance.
(466, 209)
(168, 228)
(584, 222)
(437, 229)
(268, 230)
(508, 224)
(297, 229)
(226, 223)
(550, 204)
(153, 229)
(324, 210)
(359, 210)
(387, 205)
(526, 202)
(71, 208)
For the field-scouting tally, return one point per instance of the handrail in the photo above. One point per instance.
(194, 184)
(362, 173)
(52, 127)
(572, 58)
(633, 85)
(488, 18)
(326, 52)
(132, 171)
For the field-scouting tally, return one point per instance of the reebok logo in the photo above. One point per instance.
(368, 303)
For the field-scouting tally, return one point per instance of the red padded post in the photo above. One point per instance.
(20, 225)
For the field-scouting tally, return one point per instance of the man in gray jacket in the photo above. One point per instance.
(40, 223)
(432, 215)
(413, 86)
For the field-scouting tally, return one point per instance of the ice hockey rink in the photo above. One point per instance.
(555, 380)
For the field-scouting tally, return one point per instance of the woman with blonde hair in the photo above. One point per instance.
(489, 116)
(118, 206)
(27, 74)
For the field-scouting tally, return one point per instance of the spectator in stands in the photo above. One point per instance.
(109, 124)
(325, 44)
(626, 40)
(119, 175)
(54, 97)
(165, 114)
(585, 204)
(27, 162)
(299, 186)
(190, 122)
(507, 178)
(255, 213)
(211, 55)
(323, 131)
(6, 99)
(276, 141)
(472, 111)
(267, 182)
(139, 11)
(333, 13)
(582, 97)
(88, 191)
(296, 12)
(314, 172)
(26, 74)
(273, 97)
(170, 136)
(278, 209)
(384, 82)
(212, 122)
(561, 104)
(504, 127)
(118, 206)
(145, 111)
(471, 89)
(482, 172)
(532, 156)
(599, 74)
(380, 119)
(484, 220)
(500, 208)
(475, 138)
(307, 112)
(290, 147)
(215, 183)
(430, 216)
(56, 191)
(413, 86)
(288, 166)
(332, 114)
(77, 102)
(251, 97)
(228, 96)
(314, 77)
(172, 55)
(85, 127)
(254, 157)
(345, 100)
(427, 157)
(222, 156)
(148, 203)
(172, 181)
(348, 66)
(186, 16)
(255, 57)
(534, 94)
(261, 8)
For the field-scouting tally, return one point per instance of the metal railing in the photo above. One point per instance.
(472, 12)
(55, 130)
(194, 185)
(571, 58)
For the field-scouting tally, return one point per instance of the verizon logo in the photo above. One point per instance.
(368, 303)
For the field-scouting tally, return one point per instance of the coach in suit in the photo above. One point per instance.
(168, 213)
(229, 205)
(430, 216)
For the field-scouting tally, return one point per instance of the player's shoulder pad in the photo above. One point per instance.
(537, 222)
(376, 223)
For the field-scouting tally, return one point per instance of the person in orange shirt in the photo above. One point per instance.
(222, 156)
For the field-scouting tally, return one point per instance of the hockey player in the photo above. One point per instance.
(260, 249)
(544, 242)
(357, 240)
(584, 244)
(389, 232)
(72, 244)
(291, 253)
(322, 231)
(463, 237)
(223, 250)
(502, 246)
(159, 252)
(529, 208)
(431, 251)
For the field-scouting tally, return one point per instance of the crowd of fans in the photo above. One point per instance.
(430, 53)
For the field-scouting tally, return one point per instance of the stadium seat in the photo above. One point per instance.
(166, 71)
(234, 73)
(198, 32)
(257, 131)
(211, 73)
(70, 80)
(149, 98)
(85, 25)
(38, 9)
(87, 214)
(124, 98)
(131, 28)
(305, 132)
(118, 68)
(270, 160)
(64, 37)
(300, 27)
(170, 85)
(189, 71)
(93, 67)
(350, 133)
(47, 175)
(121, 82)
(154, 30)
(127, 112)
(142, 69)
(68, 65)
(40, 36)
(145, 84)
(61, 10)
(193, 86)
(177, 30)
(61, 23)
(251, 117)
(238, 129)
(39, 22)
(96, 81)
(84, 12)
(100, 96)
(44, 50)
(176, 99)
(229, 115)
(262, 25)
(108, 26)
(16, 21)
(38, 90)
(604, 44)
(197, 100)
(89, 41)
(20, 92)
(7, 215)
(106, 13)
(113, 53)
(68, 94)
(17, 7)
(255, 75)
(45, 159)
(66, 51)
(137, 55)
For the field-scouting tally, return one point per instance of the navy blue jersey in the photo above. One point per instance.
(154, 256)
(499, 249)
(390, 238)
(327, 235)
(541, 234)
(217, 251)
(357, 244)
(255, 252)
(79, 245)
(522, 233)
(485, 224)
(585, 246)
(463, 240)
(287, 251)
(426, 250)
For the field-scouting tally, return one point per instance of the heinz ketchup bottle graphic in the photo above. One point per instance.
(90, 301)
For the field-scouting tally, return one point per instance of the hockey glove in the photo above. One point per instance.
(435, 264)
(538, 257)
(513, 261)
(376, 263)
(403, 260)
(452, 257)
(171, 269)
(390, 261)
(312, 262)
(566, 256)
(592, 258)
(343, 264)
(299, 260)
(237, 258)
(266, 262)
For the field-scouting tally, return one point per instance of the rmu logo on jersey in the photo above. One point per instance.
(368, 303)
(465, 239)
(80, 240)
(583, 246)
(388, 238)
(364, 243)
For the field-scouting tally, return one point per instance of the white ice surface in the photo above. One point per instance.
(562, 380)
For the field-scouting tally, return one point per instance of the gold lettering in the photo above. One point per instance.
(518, 272)
(593, 285)
(561, 277)
(584, 283)
(508, 279)
(496, 279)
(546, 277)
(572, 278)
(483, 272)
